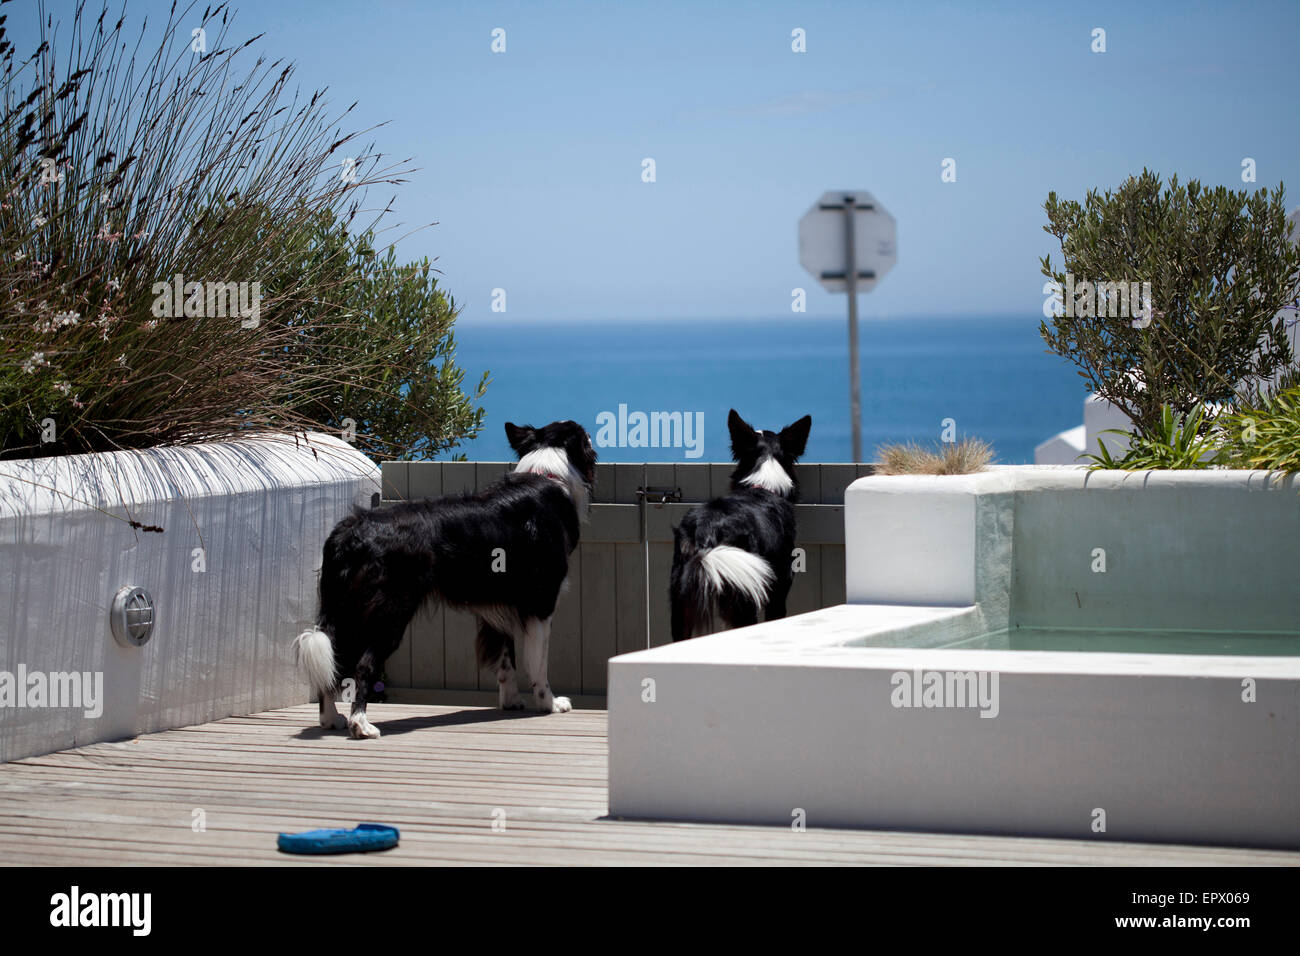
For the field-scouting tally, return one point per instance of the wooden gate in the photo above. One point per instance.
(617, 600)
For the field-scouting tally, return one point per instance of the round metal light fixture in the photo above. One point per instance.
(132, 616)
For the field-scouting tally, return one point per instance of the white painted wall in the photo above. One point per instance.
(259, 508)
(1099, 418)
(1062, 449)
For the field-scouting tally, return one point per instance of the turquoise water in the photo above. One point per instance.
(992, 376)
(1257, 644)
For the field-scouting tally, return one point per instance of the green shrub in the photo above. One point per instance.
(393, 328)
(1265, 436)
(1220, 267)
(1176, 441)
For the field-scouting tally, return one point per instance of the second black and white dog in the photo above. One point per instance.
(734, 555)
(501, 554)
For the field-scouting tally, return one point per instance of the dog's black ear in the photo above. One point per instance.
(794, 438)
(520, 436)
(742, 435)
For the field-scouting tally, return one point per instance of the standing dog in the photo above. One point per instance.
(733, 556)
(502, 555)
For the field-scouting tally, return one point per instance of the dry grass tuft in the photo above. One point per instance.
(952, 458)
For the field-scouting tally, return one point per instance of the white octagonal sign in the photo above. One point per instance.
(823, 239)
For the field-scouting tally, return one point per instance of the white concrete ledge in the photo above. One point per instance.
(816, 633)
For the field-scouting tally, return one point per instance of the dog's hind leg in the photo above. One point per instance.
(775, 609)
(537, 638)
(358, 725)
(380, 633)
(508, 679)
(496, 651)
(508, 686)
(330, 718)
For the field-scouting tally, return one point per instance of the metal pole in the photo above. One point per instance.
(851, 278)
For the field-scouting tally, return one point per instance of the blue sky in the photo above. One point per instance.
(530, 160)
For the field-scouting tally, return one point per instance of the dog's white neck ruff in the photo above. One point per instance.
(555, 464)
(770, 476)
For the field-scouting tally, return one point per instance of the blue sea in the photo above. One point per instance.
(992, 376)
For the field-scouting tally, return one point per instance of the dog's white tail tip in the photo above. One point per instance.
(315, 653)
(747, 573)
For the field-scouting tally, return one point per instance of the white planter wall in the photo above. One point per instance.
(259, 509)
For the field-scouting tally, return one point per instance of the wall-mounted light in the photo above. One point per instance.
(132, 616)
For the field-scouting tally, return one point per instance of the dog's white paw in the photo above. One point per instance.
(329, 717)
(560, 705)
(360, 728)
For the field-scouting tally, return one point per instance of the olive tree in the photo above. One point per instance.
(1170, 294)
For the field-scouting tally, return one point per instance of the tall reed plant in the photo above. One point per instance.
(163, 276)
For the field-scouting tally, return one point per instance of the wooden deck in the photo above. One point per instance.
(442, 775)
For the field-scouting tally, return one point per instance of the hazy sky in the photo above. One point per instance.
(531, 159)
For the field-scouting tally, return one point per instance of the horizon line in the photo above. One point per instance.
(911, 316)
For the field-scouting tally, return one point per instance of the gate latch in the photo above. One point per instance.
(658, 496)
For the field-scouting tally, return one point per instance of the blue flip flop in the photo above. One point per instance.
(366, 837)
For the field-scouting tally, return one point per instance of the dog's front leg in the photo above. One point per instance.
(537, 638)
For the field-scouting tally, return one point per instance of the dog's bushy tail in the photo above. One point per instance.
(726, 566)
(722, 571)
(315, 653)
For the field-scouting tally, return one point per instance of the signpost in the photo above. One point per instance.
(847, 241)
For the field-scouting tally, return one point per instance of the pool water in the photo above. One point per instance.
(1136, 641)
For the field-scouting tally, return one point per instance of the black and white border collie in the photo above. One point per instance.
(734, 555)
(502, 555)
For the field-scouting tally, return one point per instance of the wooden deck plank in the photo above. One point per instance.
(437, 839)
(438, 774)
